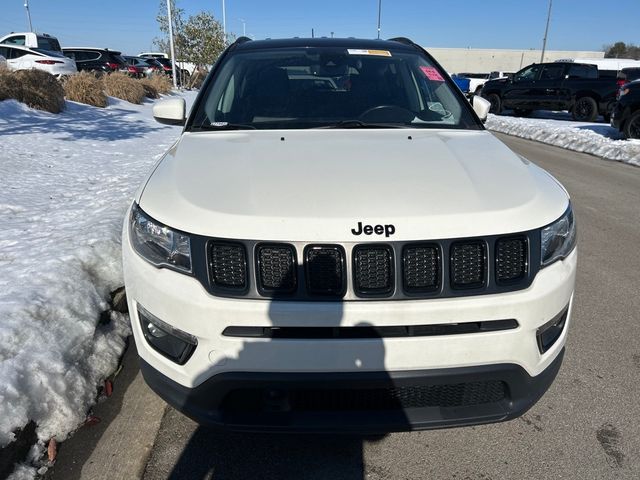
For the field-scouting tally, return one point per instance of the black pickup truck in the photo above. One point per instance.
(576, 87)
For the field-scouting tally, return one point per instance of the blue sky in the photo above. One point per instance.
(130, 26)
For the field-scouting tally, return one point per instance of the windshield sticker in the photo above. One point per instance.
(432, 74)
(379, 53)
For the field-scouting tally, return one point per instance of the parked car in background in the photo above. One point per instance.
(576, 87)
(476, 81)
(626, 114)
(43, 41)
(183, 73)
(153, 55)
(141, 67)
(627, 75)
(496, 74)
(23, 58)
(462, 83)
(155, 65)
(97, 59)
(607, 67)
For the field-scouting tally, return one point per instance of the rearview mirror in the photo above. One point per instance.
(481, 106)
(170, 112)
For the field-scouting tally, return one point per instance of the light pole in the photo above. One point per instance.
(172, 45)
(244, 27)
(224, 21)
(26, 5)
(379, 14)
(546, 32)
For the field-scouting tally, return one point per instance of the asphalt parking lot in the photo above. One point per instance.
(586, 427)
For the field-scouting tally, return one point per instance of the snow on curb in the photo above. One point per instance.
(597, 139)
(67, 181)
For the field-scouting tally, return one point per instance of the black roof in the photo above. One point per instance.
(325, 42)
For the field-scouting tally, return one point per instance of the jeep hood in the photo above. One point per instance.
(316, 185)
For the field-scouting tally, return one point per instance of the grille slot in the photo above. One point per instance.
(373, 270)
(468, 260)
(421, 268)
(276, 268)
(511, 259)
(396, 398)
(228, 265)
(325, 270)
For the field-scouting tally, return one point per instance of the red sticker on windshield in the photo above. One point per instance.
(432, 74)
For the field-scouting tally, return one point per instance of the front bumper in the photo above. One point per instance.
(221, 364)
(357, 403)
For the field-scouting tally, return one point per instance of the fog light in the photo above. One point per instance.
(176, 345)
(549, 333)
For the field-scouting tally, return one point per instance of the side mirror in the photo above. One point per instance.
(481, 106)
(171, 111)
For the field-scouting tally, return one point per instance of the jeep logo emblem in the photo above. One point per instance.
(388, 230)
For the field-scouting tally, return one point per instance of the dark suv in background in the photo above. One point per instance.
(626, 115)
(579, 88)
(97, 59)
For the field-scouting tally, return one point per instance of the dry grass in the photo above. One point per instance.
(84, 87)
(9, 86)
(161, 82)
(39, 89)
(123, 87)
(150, 90)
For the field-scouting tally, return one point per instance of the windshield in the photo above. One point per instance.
(289, 88)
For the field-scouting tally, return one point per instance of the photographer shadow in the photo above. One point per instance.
(212, 454)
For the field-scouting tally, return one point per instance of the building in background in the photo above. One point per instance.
(481, 60)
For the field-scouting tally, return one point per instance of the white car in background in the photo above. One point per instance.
(32, 40)
(23, 58)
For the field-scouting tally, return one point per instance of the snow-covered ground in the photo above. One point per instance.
(66, 181)
(556, 128)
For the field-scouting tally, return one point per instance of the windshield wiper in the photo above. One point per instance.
(223, 126)
(361, 124)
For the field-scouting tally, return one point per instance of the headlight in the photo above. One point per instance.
(559, 238)
(158, 244)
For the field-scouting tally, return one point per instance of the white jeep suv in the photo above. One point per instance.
(335, 243)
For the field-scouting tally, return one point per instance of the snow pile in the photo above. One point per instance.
(66, 182)
(555, 128)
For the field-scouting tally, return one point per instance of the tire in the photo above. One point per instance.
(632, 126)
(522, 112)
(585, 109)
(496, 103)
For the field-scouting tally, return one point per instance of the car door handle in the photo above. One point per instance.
(550, 90)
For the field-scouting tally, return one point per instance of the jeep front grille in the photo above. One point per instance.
(325, 270)
(511, 259)
(276, 269)
(421, 268)
(468, 261)
(368, 271)
(373, 270)
(228, 265)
